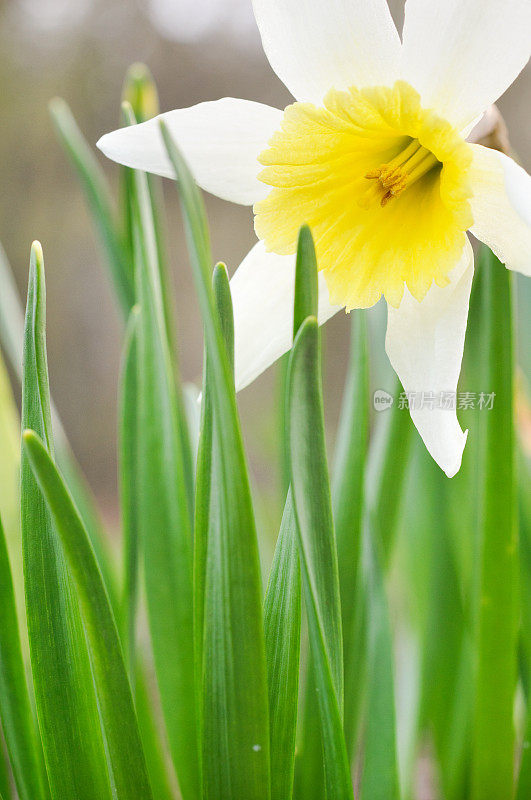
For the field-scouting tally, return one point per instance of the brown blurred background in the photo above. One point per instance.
(197, 50)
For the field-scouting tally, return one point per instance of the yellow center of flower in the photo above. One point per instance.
(393, 178)
(383, 184)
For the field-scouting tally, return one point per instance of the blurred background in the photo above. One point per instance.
(197, 50)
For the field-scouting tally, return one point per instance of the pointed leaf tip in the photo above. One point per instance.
(36, 251)
(140, 89)
(306, 287)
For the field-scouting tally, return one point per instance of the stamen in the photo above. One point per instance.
(401, 172)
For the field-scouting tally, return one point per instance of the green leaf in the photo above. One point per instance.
(380, 769)
(524, 778)
(140, 92)
(98, 199)
(497, 579)
(317, 547)
(349, 474)
(18, 724)
(115, 702)
(129, 465)
(62, 676)
(5, 776)
(443, 509)
(384, 490)
(140, 103)
(11, 339)
(150, 227)
(201, 525)
(463, 510)
(386, 472)
(154, 746)
(87, 506)
(223, 299)
(11, 316)
(226, 587)
(236, 726)
(306, 292)
(220, 285)
(10, 487)
(282, 624)
(309, 781)
(164, 515)
(446, 677)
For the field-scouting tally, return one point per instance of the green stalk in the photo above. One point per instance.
(497, 603)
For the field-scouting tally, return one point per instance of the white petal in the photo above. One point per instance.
(501, 207)
(262, 296)
(425, 343)
(463, 54)
(317, 45)
(221, 142)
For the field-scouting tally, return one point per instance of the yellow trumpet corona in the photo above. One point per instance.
(383, 184)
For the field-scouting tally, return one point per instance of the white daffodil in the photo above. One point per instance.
(373, 156)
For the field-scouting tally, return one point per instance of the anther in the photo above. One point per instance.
(404, 169)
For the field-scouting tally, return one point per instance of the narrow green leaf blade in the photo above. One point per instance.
(5, 776)
(524, 777)
(164, 513)
(129, 465)
(18, 723)
(306, 292)
(154, 745)
(497, 600)
(115, 702)
(98, 199)
(140, 103)
(144, 209)
(220, 285)
(201, 525)
(384, 493)
(282, 624)
(62, 677)
(445, 708)
(227, 587)
(235, 684)
(11, 316)
(386, 472)
(349, 475)
(11, 340)
(380, 768)
(10, 488)
(311, 495)
(309, 765)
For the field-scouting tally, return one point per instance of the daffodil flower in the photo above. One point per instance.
(373, 156)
